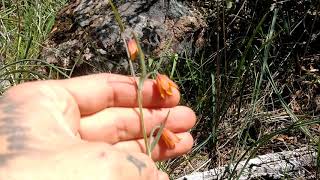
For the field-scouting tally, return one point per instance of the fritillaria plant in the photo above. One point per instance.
(164, 83)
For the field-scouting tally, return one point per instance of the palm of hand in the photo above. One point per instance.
(87, 127)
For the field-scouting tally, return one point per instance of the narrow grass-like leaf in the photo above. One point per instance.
(34, 60)
(23, 71)
(141, 56)
(286, 107)
(152, 134)
(174, 59)
(214, 111)
(157, 137)
(28, 47)
(318, 160)
(142, 123)
(117, 16)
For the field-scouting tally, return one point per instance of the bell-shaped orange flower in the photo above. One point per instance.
(165, 85)
(133, 49)
(169, 138)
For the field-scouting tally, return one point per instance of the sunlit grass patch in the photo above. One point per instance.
(24, 25)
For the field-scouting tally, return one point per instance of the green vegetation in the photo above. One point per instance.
(249, 86)
(24, 25)
(255, 87)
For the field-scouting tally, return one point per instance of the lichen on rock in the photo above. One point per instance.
(86, 35)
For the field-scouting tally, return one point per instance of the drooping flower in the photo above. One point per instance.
(169, 138)
(165, 85)
(133, 49)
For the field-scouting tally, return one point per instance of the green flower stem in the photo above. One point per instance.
(140, 88)
(117, 16)
(140, 102)
(141, 57)
(142, 77)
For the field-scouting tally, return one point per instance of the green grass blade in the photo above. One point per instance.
(157, 138)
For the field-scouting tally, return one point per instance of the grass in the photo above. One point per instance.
(24, 25)
(246, 87)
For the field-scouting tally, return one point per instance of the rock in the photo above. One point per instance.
(293, 164)
(87, 37)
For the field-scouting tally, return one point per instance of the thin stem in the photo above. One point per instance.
(142, 77)
(117, 16)
(128, 55)
(140, 88)
(141, 57)
(144, 133)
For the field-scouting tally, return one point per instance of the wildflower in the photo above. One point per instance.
(133, 49)
(169, 138)
(165, 85)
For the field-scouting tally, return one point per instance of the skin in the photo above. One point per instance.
(86, 128)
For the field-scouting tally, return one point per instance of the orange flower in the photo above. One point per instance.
(169, 138)
(165, 85)
(133, 49)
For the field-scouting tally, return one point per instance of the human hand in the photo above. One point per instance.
(86, 128)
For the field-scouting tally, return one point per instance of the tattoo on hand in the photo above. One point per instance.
(12, 132)
(139, 164)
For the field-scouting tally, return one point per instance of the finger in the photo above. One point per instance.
(163, 176)
(160, 152)
(121, 124)
(96, 92)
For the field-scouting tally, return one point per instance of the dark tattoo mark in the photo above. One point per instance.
(9, 107)
(8, 129)
(11, 129)
(5, 157)
(139, 164)
(16, 141)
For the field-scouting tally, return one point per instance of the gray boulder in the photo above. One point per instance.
(87, 38)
